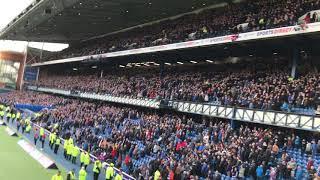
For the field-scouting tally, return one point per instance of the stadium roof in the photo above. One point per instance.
(75, 20)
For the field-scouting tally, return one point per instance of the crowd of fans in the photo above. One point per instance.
(141, 141)
(183, 147)
(29, 97)
(250, 15)
(265, 85)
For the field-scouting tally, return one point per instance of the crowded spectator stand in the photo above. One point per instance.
(264, 85)
(174, 145)
(181, 146)
(233, 19)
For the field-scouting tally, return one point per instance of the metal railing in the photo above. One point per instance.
(143, 102)
(283, 119)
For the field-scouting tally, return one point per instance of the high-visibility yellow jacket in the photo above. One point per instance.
(70, 141)
(82, 157)
(118, 177)
(109, 172)
(82, 174)
(28, 120)
(56, 177)
(72, 175)
(69, 149)
(75, 151)
(65, 145)
(58, 141)
(86, 159)
(28, 128)
(97, 166)
(18, 115)
(54, 137)
(50, 138)
(157, 175)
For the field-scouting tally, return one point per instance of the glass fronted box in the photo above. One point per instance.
(8, 73)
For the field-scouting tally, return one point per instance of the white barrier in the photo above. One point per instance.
(11, 132)
(45, 161)
(2, 123)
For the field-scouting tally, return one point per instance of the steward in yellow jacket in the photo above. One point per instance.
(75, 153)
(57, 176)
(97, 166)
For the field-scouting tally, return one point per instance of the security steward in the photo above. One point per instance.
(8, 116)
(18, 116)
(13, 116)
(65, 147)
(28, 129)
(71, 175)
(82, 174)
(97, 166)
(57, 176)
(42, 137)
(56, 145)
(86, 160)
(110, 172)
(69, 151)
(75, 154)
(157, 175)
(82, 158)
(1, 114)
(50, 140)
(119, 176)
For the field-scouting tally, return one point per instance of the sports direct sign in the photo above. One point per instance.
(37, 155)
(270, 33)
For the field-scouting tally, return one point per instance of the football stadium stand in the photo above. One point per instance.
(238, 18)
(205, 90)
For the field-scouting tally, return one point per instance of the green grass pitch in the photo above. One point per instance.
(16, 164)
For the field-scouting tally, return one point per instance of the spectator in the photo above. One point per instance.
(314, 17)
(141, 142)
(307, 18)
(262, 14)
(299, 173)
(272, 90)
(259, 172)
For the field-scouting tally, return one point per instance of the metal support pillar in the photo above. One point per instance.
(232, 120)
(295, 59)
(161, 70)
(101, 73)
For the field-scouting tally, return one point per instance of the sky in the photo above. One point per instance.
(9, 9)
